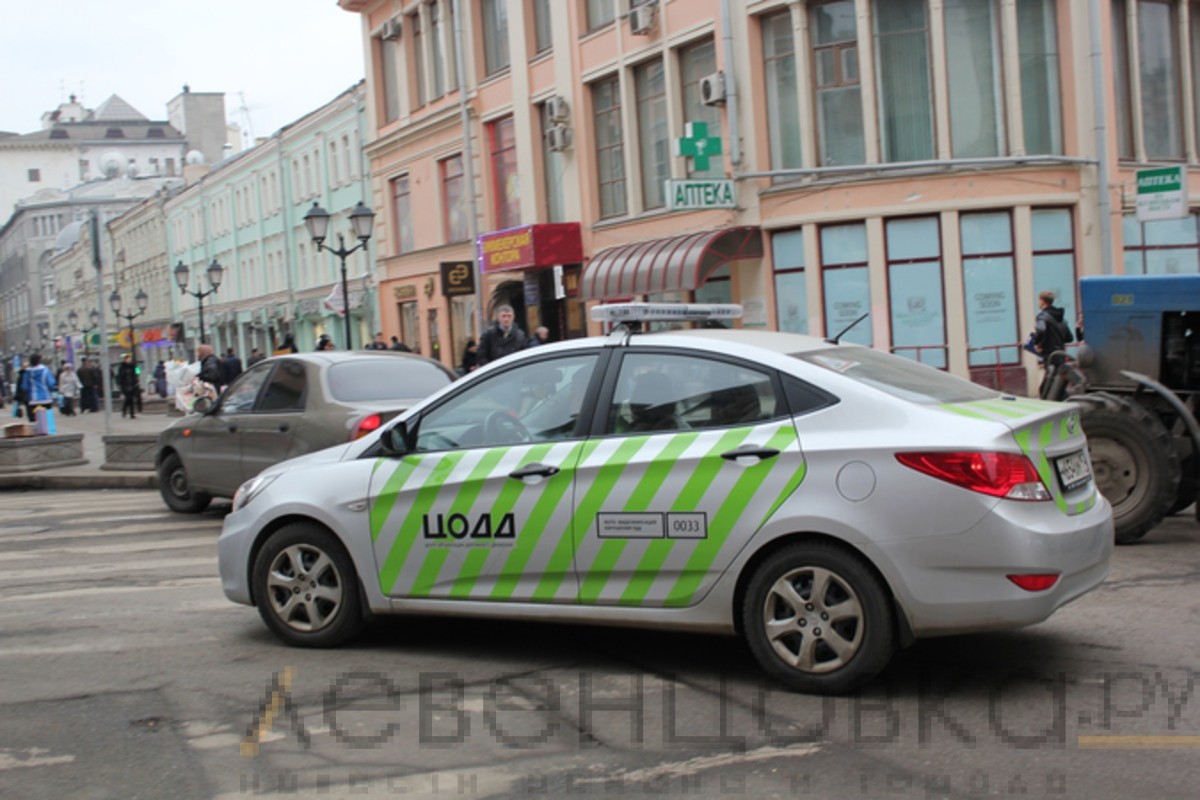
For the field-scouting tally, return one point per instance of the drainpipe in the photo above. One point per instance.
(731, 98)
(468, 163)
(1099, 109)
(289, 237)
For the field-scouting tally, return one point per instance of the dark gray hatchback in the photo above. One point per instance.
(285, 407)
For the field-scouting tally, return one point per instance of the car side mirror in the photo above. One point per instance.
(202, 405)
(395, 440)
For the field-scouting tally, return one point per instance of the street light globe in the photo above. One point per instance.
(363, 220)
(73, 319)
(215, 273)
(114, 302)
(317, 222)
(142, 299)
(94, 316)
(182, 273)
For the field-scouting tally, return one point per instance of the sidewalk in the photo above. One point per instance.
(90, 475)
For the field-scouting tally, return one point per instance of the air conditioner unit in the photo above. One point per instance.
(391, 29)
(712, 89)
(641, 19)
(558, 138)
(557, 109)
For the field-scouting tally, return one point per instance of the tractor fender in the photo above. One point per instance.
(1184, 412)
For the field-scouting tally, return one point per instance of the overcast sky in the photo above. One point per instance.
(284, 57)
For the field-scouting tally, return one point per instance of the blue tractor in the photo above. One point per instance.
(1136, 378)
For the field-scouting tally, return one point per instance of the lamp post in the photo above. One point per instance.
(94, 318)
(183, 275)
(142, 300)
(362, 220)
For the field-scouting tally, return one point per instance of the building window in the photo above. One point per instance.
(35, 176)
(846, 283)
(1161, 247)
(334, 175)
(1124, 95)
(1159, 75)
(610, 152)
(695, 63)
(1037, 35)
(783, 108)
(791, 292)
(506, 185)
(495, 36)
(918, 317)
(989, 287)
(902, 66)
(1194, 17)
(410, 325)
(836, 81)
(454, 199)
(402, 203)
(417, 58)
(1054, 258)
(389, 73)
(976, 128)
(170, 167)
(542, 39)
(652, 131)
(555, 169)
(348, 158)
(436, 32)
(600, 13)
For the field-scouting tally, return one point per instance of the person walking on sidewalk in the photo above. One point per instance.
(89, 386)
(68, 385)
(37, 383)
(127, 382)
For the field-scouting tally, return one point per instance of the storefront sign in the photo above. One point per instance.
(458, 278)
(1160, 193)
(405, 291)
(700, 194)
(531, 247)
(697, 145)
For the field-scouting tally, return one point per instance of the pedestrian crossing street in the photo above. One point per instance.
(122, 545)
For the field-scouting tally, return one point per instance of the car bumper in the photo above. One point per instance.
(233, 556)
(957, 584)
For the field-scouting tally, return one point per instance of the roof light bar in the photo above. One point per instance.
(654, 312)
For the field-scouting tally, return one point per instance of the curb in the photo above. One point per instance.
(33, 480)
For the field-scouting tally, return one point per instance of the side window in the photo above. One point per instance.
(804, 398)
(285, 391)
(239, 398)
(667, 393)
(535, 402)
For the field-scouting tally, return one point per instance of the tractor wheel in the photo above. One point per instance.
(1189, 484)
(1134, 464)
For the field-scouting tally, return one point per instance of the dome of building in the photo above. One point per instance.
(68, 237)
(194, 157)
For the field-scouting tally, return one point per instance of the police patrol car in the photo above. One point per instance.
(828, 502)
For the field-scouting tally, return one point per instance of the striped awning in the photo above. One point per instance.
(678, 263)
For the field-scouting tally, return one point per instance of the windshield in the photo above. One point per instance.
(385, 379)
(897, 376)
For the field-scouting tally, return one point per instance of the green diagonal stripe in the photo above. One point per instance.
(539, 518)
(585, 511)
(427, 577)
(643, 494)
(964, 412)
(505, 501)
(689, 499)
(723, 522)
(385, 498)
(411, 527)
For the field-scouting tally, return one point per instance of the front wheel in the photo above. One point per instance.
(176, 492)
(306, 588)
(817, 619)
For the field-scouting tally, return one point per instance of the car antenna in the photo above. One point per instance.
(845, 330)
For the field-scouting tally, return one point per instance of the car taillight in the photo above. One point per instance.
(365, 426)
(1034, 583)
(996, 474)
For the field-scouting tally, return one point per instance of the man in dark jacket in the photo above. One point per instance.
(1050, 333)
(127, 382)
(211, 370)
(233, 365)
(502, 338)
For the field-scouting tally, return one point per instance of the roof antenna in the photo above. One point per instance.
(845, 330)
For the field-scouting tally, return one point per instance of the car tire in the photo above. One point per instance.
(176, 492)
(798, 590)
(306, 588)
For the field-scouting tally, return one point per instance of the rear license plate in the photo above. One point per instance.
(1074, 470)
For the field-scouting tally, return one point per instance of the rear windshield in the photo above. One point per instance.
(898, 376)
(385, 379)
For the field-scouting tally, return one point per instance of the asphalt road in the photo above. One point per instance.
(125, 673)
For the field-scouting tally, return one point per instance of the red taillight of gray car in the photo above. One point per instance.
(1005, 475)
(366, 425)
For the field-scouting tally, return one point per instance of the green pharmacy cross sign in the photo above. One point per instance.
(697, 145)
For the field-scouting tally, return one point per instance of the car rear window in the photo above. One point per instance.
(385, 379)
(897, 376)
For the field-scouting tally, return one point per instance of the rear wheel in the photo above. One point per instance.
(818, 619)
(306, 588)
(1134, 464)
(176, 492)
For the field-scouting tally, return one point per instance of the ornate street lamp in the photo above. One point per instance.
(142, 300)
(183, 275)
(362, 220)
(73, 320)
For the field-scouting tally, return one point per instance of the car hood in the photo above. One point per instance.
(327, 456)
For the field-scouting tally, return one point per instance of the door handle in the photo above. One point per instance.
(283, 427)
(233, 428)
(534, 470)
(750, 451)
